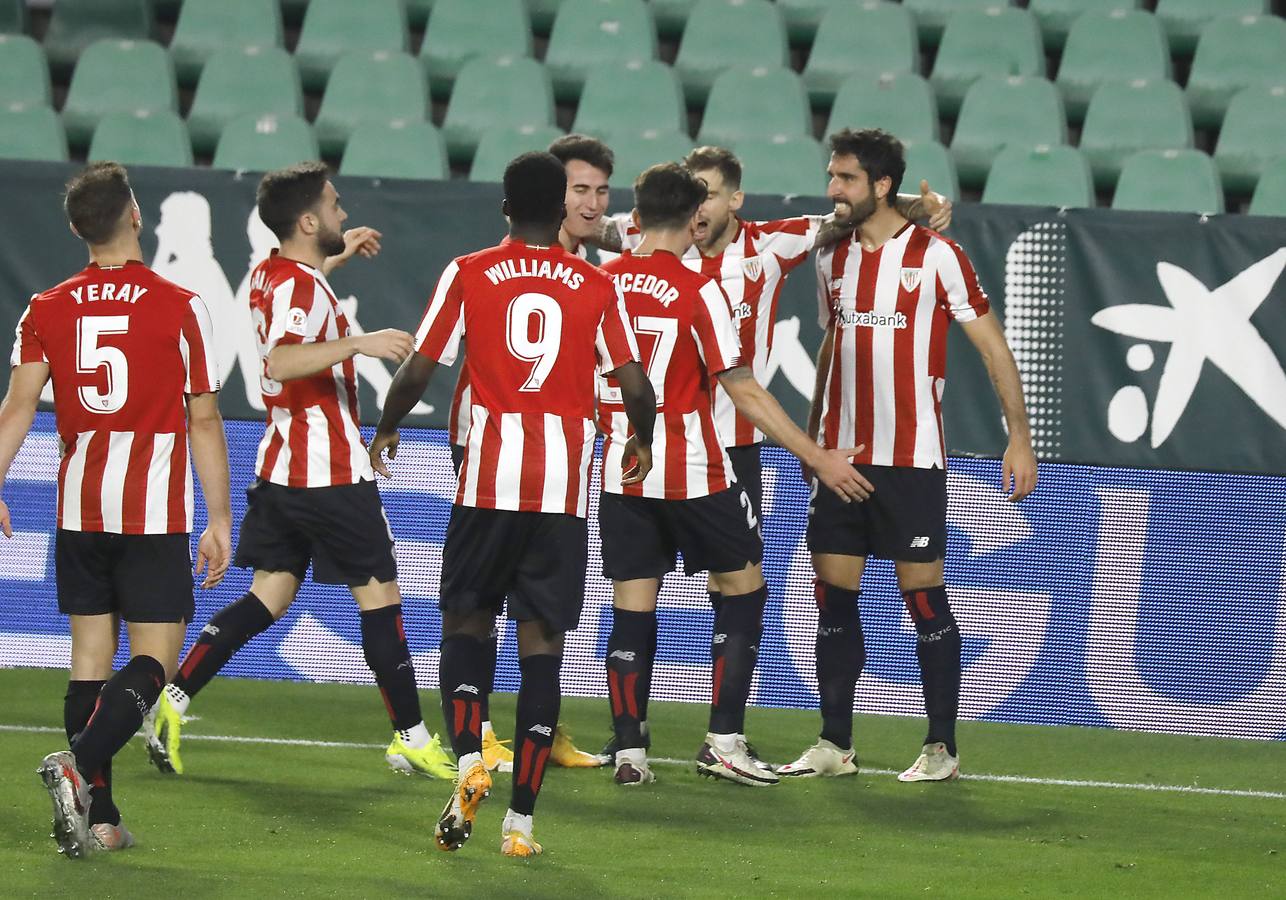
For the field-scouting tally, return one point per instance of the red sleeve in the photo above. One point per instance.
(442, 327)
(714, 331)
(790, 240)
(296, 317)
(196, 338)
(615, 342)
(958, 289)
(26, 342)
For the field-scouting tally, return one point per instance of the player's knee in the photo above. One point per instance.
(736, 584)
(930, 612)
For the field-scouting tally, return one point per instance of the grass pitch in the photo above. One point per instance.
(253, 818)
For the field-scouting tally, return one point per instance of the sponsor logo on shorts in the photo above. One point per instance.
(627, 655)
(211, 630)
(920, 541)
(542, 729)
(720, 638)
(467, 688)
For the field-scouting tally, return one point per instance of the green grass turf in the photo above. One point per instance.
(260, 820)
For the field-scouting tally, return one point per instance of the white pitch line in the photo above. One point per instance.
(1000, 779)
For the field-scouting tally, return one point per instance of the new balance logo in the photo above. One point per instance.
(920, 542)
(542, 729)
(720, 638)
(211, 630)
(467, 688)
(626, 655)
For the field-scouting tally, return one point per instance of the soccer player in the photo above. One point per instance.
(132, 360)
(540, 322)
(314, 498)
(690, 502)
(887, 296)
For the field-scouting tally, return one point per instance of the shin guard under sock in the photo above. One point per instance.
(384, 646)
(629, 668)
(734, 652)
(223, 636)
(841, 654)
(78, 706)
(122, 704)
(937, 648)
(460, 679)
(537, 719)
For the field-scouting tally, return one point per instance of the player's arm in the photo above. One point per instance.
(832, 467)
(18, 411)
(926, 205)
(362, 240)
(819, 382)
(289, 361)
(608, 237)
(409, 385)
(639, 399)
(1019, 465)
(210, 459)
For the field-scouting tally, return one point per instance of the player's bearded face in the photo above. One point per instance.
(715, 212)
(330, 241)
(330, 222)
(586, 199)
(850, 191)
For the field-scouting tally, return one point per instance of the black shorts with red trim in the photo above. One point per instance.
(141, 577)
(905, 519)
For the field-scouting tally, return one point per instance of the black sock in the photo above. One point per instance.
(459, 679)
(629, 662)
(645, 680)
(384, 646)
(938, 650)
(537, 717)
(491, 648)
(734, 652)
(225, 634)
(122, 704)
(841, 654)
(78, 706)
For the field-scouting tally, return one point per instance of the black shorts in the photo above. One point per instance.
(457, 458)
(641, 535)
(905, 520)
(747, 467)
(143, 577)
(535, 559)
(341, 530)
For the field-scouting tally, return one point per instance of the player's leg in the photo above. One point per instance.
(93, 640)
(747, 466)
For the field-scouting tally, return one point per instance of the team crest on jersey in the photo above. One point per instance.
(910, 279)
(753, 266)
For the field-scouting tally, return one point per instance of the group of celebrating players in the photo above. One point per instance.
(662, 350)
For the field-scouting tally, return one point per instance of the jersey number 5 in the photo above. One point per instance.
(542, 350)
(90, 357)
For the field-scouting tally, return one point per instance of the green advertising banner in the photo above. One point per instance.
(1143, 339)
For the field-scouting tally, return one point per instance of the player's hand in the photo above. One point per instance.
(213, 554)
(387, 343)
(936, 207)
(1019, 469)
(834, 468)
(5, 525)
(362, 240)
(642, 456)
(379, 444)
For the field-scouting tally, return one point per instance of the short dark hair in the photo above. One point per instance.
(704, 158)
(286, 194)
(667, 195)
(878, 152)
(535, 188)
(585, 148)
(96, 199)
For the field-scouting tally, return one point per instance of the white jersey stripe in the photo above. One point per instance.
(883, 379)
(318, 450)
(435, 305)
(113, 492)
(157, 511)
(582, 473)
(928, 450)
(697, 464)
(72, 483)
(554, 490)
(473, 454)
(509, 463)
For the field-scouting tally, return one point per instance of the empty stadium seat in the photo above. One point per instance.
(24, 72)
(262, 143)
(148, 139)
(418, 12)
(1039, 176)
(996, 41)
(802, 17)
(31, 132)
(252, 80)
(456, 34)
(543, 14)
(671, 15)
(930, 161)
(75, 24)
(1234, 53)
(396, 150)
(376, 87)
(1000, 111)
(639, 96)
(873, 38)
(1117, 46)
(1125, 118)
(794, 165)
(335, 27)
(1169, 181)
(931, 15)
(635, 152)
(1184, 20)
(725, 33)
(902, 105)
(758, 102)
(590, 32)
(117, 76)
(505, 93)
(207, 26)
(1057, 17)
(1270, 193)
(13, 16)
(500, 145)
(1253, 135)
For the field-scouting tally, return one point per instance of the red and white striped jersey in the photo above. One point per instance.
(539, 323)
(125, 348)
(686, 336)
(890, 309)
(312, 437)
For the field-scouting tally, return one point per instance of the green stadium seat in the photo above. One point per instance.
(543, 14)
(13, 16)
(591, 32)
(456, 34)
(901, 104)
(262, 143)
(1184, 20)
(1000, 111)
(869, 39)
(32, 132)
(252, 80)
(418, 12)
(396, 150)
(364, 86)
(636, 152)
(758, 102)
(500, 145)
(802, 17)
(75, 24)
(1270, 193)
(671, 16)
(996, 41)
(725, 33)
(1120, 46)
(292, 11)
(1169, 181)
(1252, 137)
(1234, 53)
(117, 76)
(1125, 118)
(148, 139)
(490, 94)
(207, 26)
(930, 161)
(335, 27)
(1040, 176)
(931, 15)
(787, 165)
(1057, 17)
(636, 97)
(24, 72)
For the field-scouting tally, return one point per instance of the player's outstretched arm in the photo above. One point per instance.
(408, 387)
(210, 459)
(608, 237)
(819, 385)
(1019, 464)
(18, 411)
(926, 205)
(639, 398)
(362, 240)
(287, 362)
